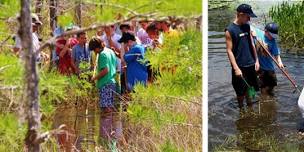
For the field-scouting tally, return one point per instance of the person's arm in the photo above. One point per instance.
(276, 53)
(64, 50)
(112, 45)
(257, 64)
(102, 73)
(231, 57)
(17, 46)
(102, 66)
(278, 58)
(77, 71)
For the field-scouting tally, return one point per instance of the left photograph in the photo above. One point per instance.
(101, 75)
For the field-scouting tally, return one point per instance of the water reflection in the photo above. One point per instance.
(110, 130)
(270, 118)
(256, 124)
(86, 128)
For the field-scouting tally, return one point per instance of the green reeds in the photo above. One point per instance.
(289, 16)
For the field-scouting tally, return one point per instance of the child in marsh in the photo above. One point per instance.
(268, 39)
(105, 73)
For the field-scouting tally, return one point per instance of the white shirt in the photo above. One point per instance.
(115, 37)
(36, 43)
(142, 35)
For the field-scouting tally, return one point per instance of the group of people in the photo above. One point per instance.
(249, 51)
(115, 55)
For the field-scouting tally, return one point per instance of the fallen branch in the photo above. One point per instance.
(92, 27)
(5, 40)
(8, 87)
(46, 135)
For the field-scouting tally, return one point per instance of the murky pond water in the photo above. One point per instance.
(86, 128)
(275, 117)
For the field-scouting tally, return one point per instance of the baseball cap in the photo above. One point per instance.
(273, 29)
(35, 19)
(245, 8)
(126, 37)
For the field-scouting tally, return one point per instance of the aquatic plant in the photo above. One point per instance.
(289, 16)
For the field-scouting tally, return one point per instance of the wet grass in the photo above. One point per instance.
(262, 143)
(165, 116)
(289, 16)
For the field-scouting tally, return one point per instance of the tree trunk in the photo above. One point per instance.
(53, 6)
(53, 14)
(38, 7)
(78, 13)
(31, 78)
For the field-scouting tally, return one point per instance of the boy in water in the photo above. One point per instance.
(268, 39)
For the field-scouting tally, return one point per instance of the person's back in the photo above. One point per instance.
(107, 58)
(136, 66)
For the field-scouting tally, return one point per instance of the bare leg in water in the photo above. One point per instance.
(240, 100)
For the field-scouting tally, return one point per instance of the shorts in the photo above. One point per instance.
(250, 76)
(267, 78)
(106, 95)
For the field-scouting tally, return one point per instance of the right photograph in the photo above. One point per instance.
(256, 76)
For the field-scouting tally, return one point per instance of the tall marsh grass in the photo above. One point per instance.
(289, 16)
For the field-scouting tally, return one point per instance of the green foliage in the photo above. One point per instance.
(184, 55)
(8, 9)
(162, 7)
(12, 133)
(151, 104)
(169, 147)
(11, 8)
(289, 16)
(12, 70)
(65, 19)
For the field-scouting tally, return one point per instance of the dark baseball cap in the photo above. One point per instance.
(126, 37)
(273, 28)
(245, 8)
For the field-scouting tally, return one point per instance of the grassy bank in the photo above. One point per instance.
(54, 89)
(165, 116)
(289, 16)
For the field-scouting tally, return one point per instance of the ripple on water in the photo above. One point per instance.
(277, 116)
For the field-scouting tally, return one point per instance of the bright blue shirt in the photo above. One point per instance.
(136, 66)
(80, 54)
(266, 63)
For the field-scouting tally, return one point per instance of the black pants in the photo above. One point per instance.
(250, 76)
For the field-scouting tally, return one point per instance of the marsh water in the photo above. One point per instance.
(271, 118)
(87, 127)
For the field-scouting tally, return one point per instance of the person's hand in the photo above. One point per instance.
(238, 72)
(109, 37)
(257, 66)
(93, 78)
(77, 71)
(281, 65)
